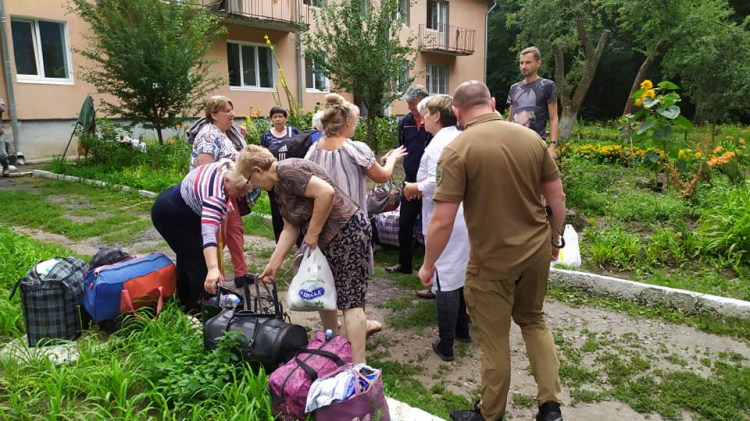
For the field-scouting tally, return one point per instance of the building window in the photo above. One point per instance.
(403, 81)
(41, 50)
(437, 79)
(250, 65)
(315, 3)
(437, 14)
(403, 12)
(315, 80)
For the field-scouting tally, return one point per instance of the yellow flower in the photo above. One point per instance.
(698, 155)
(650, 93)
(171, 141)
(680, 153)
(646, 84)
(639, 102)
(742, 141)
(718, 149)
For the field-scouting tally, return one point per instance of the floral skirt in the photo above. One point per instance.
(349, 257)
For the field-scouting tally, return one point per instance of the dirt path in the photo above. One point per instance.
(586, 337)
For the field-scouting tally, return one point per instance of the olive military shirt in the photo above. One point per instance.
(497, 168)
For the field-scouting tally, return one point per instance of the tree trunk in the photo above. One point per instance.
(639, 77)
(570, 111)
(567, 119)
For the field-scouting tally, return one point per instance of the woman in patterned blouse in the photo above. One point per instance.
(212, 144)
(312, 204)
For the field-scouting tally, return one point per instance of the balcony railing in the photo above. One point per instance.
(447, 39)
(265, 14)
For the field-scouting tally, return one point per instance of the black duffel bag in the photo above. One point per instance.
(265, 339)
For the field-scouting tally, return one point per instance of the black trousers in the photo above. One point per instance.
(410, 211)
(276, 220)
(181, 229)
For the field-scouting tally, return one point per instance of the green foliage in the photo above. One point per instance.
(363, 53)
(724, 228)
(386, 131)
(658, 113)
(150, 57)
(645, 205)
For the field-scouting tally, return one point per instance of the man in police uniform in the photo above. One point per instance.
(500, 171)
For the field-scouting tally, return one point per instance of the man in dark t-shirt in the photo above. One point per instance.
(533, 101)
(413, 136)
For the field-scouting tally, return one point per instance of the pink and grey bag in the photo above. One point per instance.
(291, 382)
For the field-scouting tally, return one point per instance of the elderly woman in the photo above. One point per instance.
(447, 285)
(350, 163)
(211, 144)
(188, 216)
(311, 203)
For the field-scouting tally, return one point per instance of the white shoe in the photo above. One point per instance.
(12, 168)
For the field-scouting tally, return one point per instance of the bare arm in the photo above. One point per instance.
(438, 233)
(213, 277)
(381, 174)
(510, 113)
(287, 238)
(555, 198)
(553, 128)
(204, 158)
(322, 194)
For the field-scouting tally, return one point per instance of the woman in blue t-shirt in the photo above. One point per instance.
(271, 139)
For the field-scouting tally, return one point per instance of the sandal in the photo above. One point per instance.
(373, 327)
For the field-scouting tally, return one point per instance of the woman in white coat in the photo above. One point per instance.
(448, 283)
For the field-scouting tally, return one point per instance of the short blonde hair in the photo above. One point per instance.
(234, 177)
(336, 113)
(215, 104)
(253, 156)
(443, 105)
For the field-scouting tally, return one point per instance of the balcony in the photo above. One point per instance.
(447, 39)
(275, 15)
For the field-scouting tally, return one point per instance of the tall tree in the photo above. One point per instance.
(150, 57)
(576, 32)
(356, 43)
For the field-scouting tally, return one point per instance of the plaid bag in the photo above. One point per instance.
(51, 300)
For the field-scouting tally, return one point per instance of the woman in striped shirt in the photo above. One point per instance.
(188, 215)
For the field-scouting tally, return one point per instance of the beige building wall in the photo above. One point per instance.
(47, 111)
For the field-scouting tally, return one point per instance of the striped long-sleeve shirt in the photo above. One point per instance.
(203, 191)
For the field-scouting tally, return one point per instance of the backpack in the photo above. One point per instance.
(108, 256)
(51, 295)
(295, 146)
(291, 382)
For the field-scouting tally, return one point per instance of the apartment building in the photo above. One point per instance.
(42, 85)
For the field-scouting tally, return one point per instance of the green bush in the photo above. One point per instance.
(585, 185)
(647, 206)
(724, 229)
(386, 132)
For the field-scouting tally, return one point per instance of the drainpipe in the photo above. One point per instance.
(9, 78)
(300, 81)
(486, 36)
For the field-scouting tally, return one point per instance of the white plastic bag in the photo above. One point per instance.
(570, 255)
(312, 288)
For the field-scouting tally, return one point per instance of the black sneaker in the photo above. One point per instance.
(549, 411)
(465, 339)
(398, 269)
(443, 354)
(244, 279)
(466, 415)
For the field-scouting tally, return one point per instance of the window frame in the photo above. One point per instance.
(430, 78)
(311, 3)
(404, 11)
(253, 88)
(40, 77)
(315, 89)
(441, 20)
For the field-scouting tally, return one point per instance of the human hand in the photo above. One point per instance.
(555, 253)
(243, 131)
(396, 154)
(552, 151)
(311, 241)
(426, 274)
(411, 191)
(213, 278)
(269, 274)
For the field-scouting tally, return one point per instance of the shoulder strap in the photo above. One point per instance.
(309, 370)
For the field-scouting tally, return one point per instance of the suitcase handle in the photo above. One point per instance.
(125, 296)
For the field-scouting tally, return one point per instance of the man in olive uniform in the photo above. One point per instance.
(501, 171)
